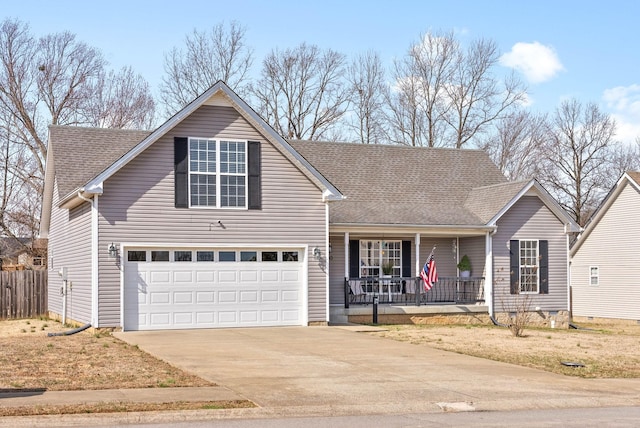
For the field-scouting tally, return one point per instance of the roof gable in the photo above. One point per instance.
(501, 198)
(630, 178)
(82, 168)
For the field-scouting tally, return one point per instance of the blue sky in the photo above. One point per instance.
(583, 49)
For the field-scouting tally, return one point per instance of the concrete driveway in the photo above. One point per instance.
(315, 370)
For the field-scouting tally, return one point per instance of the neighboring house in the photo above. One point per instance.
(23, 253)
(605, 265)
(214, 220)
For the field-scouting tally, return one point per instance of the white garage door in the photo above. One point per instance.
(181, 288)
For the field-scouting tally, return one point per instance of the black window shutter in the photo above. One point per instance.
(181, 171)
(253, 176)
(354, 258)
(544, 266)
(406, 259)
(514, 256)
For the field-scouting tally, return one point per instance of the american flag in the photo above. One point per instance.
(429, 273)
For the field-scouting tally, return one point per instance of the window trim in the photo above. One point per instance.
(381, 257)
(596, 276)
(218, 174)
(536, 266)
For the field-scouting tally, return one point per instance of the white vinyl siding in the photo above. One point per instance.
(612, 246)
(594, 275)
(139, 208)
(529, 218)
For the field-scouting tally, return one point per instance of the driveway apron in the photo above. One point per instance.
(337, 368)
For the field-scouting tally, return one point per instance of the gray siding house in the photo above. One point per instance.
(605, 265)
(213, 220)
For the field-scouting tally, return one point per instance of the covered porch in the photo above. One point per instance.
(383, 266)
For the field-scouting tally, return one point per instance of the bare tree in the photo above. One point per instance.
(577, 157)
(516, 145)
(476, 96)
(121, 100)
(220, 54)
(405, 115)
(624, 158)
(367, 98)
(302, 93)
(51, 80)
(448, 96)
(434, 61)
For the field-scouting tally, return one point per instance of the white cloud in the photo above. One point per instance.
(623, 103)
(537, 62)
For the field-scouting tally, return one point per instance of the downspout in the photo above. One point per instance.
(327, 246)
(94, 255)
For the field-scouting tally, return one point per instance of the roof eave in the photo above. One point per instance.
(435, 230)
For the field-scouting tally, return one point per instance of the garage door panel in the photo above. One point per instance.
(205, 318)
(290, 296)
(185, 277)
(227, 276)
(156, 298)
(205, 276)
(205, 297)
(227, 297)
(182, 298)
(248, 276)
(183, 319)
(160, 277)
(158, 319)
(291, 315)
(290, 276)
(269, 296)
(250, 317)
(248, 297)
(184, 294)
(269, 276)
(227, 317)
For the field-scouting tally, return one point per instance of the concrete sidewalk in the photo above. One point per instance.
(312, 371)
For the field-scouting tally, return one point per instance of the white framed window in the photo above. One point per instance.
(529, 267)
(374, 255)
(217, 173)
(594, 275)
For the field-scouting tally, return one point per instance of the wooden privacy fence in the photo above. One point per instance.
(23, 294)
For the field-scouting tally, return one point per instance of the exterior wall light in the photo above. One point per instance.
(113, 251)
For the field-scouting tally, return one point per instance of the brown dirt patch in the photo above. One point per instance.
(606, 351)
(29, 359)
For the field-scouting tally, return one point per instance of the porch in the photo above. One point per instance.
(404, 301)
(410, 291)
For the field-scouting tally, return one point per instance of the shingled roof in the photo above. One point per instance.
(485, 202)
(80, 154)
(396, 185)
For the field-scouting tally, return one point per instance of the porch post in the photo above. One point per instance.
(488, 277)
(417, 258)
(346, 255)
